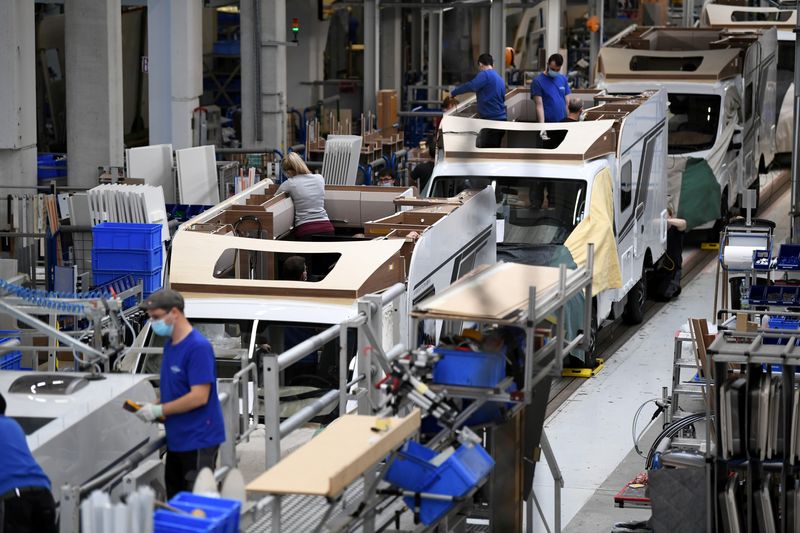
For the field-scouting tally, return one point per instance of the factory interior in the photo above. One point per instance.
(399, 266)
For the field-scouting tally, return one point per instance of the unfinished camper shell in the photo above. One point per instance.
(721, 91)
(741, 18)
(602, 180)
(229, 264)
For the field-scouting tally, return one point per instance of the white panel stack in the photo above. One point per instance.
(141, 204)
(153, 164)
(340, 162)
(197, 176)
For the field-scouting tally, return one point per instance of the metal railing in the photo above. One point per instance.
(368, 324)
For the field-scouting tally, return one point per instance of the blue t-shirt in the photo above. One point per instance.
(18, 468)
(490, 92)
(553, 92)
(191, 362)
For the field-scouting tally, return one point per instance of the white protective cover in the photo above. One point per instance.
(197, 175)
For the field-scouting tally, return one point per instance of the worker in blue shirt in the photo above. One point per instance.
(26, 504)
(550, 90)
(490, 93)
(189, 403)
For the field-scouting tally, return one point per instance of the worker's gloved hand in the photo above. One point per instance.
(150, 412)
(543, 135)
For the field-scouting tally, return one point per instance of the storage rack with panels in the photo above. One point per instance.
(753, 470)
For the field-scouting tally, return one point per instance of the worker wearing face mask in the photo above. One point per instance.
(550, 90)
(189, 404)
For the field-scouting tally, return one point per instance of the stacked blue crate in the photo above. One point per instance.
(10, 360)
(128, 249)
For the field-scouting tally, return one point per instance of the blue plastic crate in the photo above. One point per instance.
(119, 236)
(224, 510)
(456, 476)
(51, 166)
(11, 361)
(170, 522)
(469, 369)
(789, 257)
(128, 260)
(228, 48)
(758, 294)
(151, 281)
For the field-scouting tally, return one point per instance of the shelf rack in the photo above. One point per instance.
(748, 349)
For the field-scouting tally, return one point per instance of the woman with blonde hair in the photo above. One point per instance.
(307, 191)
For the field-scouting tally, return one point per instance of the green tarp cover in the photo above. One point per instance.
(700, 194)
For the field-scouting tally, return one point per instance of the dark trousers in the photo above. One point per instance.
(182, 468)
(33, 511)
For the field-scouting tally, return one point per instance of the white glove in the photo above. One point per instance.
(150, 412)
(543, 135)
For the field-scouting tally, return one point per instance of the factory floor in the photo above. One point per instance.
(591, 432)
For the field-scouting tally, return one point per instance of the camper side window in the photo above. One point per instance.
(625, 195)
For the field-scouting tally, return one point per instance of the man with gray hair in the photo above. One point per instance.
(574, 110)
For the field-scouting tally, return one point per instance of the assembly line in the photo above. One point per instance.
(401, 266)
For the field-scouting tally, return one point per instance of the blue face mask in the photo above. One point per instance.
(552, 73)
(161, 328)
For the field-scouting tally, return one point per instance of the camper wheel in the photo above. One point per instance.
(637, 299)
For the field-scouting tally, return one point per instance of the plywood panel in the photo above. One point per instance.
(153, 164)
(335, 458)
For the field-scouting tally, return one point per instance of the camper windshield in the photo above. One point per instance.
(693, 122)
(533, 210)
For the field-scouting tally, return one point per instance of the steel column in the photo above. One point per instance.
(371, 55)
(795, 212)
(434, 52)
(497, 34)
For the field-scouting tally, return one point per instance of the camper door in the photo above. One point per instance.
(625, 209)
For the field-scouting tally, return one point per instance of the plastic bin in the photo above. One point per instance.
(119, 236)
(228, 48)
(758, 294)
(151, 281)
(11, 361)
(456, 476)
(469, 369)
(224, 510)
(169, 522)
(51, 166)
(128, 260)
(784, 323)
(789, 257)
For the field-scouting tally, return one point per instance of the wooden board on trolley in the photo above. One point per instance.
(495, 292)
(335, 458)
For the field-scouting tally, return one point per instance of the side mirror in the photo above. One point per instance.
(735, 145)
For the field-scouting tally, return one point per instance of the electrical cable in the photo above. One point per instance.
(633, 427)
(671, 430)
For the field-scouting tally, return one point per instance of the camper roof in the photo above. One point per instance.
(596, 136)
(695, 65)
(740, 17)
(361, 268)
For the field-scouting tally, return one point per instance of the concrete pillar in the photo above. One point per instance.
(497, 34)
(93, 64)
(434, 53)
(263, 36)
(552, 30)
(17, 97)
(175, 80)
(372, 56)
(307, 59)
(595, 39)
(391, 57)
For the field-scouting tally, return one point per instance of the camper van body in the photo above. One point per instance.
(630, 144)
(721, 92)
(742, 18)
(454, 236)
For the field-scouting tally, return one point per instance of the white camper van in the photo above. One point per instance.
(229, 264)
(742, 18)
(601, 180)
(721, 91)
